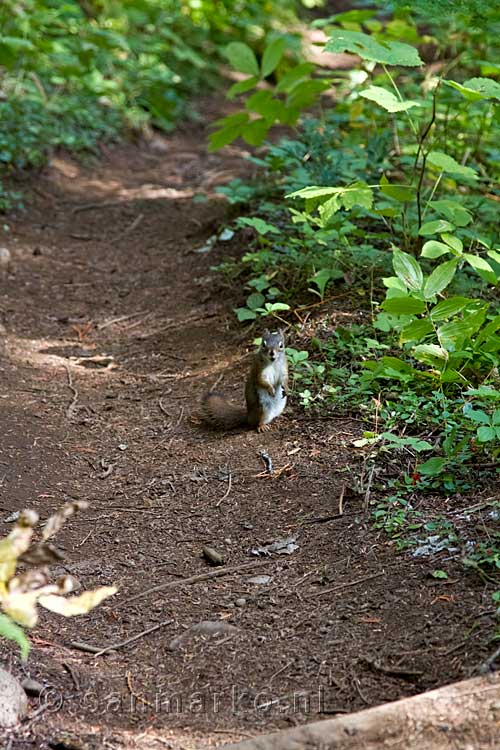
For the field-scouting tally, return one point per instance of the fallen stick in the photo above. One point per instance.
(99, 651)
(195, 579)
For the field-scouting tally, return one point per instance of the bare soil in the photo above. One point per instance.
(113, 326)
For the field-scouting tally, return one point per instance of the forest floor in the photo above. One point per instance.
(113, 326)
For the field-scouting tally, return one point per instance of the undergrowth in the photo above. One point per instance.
(388, 199)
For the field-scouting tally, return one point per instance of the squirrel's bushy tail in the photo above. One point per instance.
(221, 414)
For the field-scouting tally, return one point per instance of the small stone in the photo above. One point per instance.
(14, 703)
(32, 687)
(240, 602)
(212, 556)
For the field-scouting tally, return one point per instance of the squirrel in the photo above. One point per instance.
(265, 390)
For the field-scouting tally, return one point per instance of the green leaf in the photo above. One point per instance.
(477, 88)
(480, 264)
(255, 132)
(434, 227)
(243, 313)
(260, 226)
(401, 193)
(449, 307)
(407, 269)
(242, 58)
(403, 305)
(366, 47)
(387, 99)
(455, 243)
(432, 467)
(478, 416)
(276, 306)
(429, 353)
(12, 631)
(416, 331)
(440, 278)
(448, 164)
(434, 249)
(486, 434)
(314, 191)
(272, 56)
(439, 574)
(294, 76)
(357, 194)
(242, 87)
(255, 300)
(453, 211)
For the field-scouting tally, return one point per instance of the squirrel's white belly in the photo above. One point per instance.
(272, 405)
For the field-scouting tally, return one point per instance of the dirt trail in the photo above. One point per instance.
(113, 328)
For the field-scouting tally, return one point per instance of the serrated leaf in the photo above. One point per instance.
(403, 305)
(260, 226)
(450, 165)
(435, 227)
(242, 58)
(76, 605)
(407, 269)
(272, 56)
(434, 249)
(294, 76)
(329, 209)
(255, 132)
(357, 194)
(387, 99)
(366, 47)
(439, 279)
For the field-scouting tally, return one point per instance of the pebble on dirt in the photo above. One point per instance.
(14, 703)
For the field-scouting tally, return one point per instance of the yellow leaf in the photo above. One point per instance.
(77, 605)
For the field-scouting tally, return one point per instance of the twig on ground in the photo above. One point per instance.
(119, 319)
(392, 671)
(345, 585)
(100, 204)
(197, 578)
(69, 668)
(134, 694)
(279, 672)
(99, 651)
(229, 482)
(129, 229)
(341, 500)
(71, 410)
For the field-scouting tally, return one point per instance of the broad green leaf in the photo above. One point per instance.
(387, 99)
(434, 249)
(453, 211)
(329, 209)
(407, 269)
(243, 313)
(392, 282)
(401, 193)
(429, 353)
(366, 47)
(448, 164)
(478, 416)
(272, 56)
(478, 263)
(434, 227)
(255, 132)
(416, 331)
(449, 307)
(276, 306)
(357, 194)
(305, 93)
(494, 255)
(439, 278)
(403, 305)
(9, 629)
(432, 467)
(241, 87)
(76, 605)
(467, 93)
(455, 243)
(255, 300)
(242, 58)
(314, 191)
(485, 434)
(486, 86)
